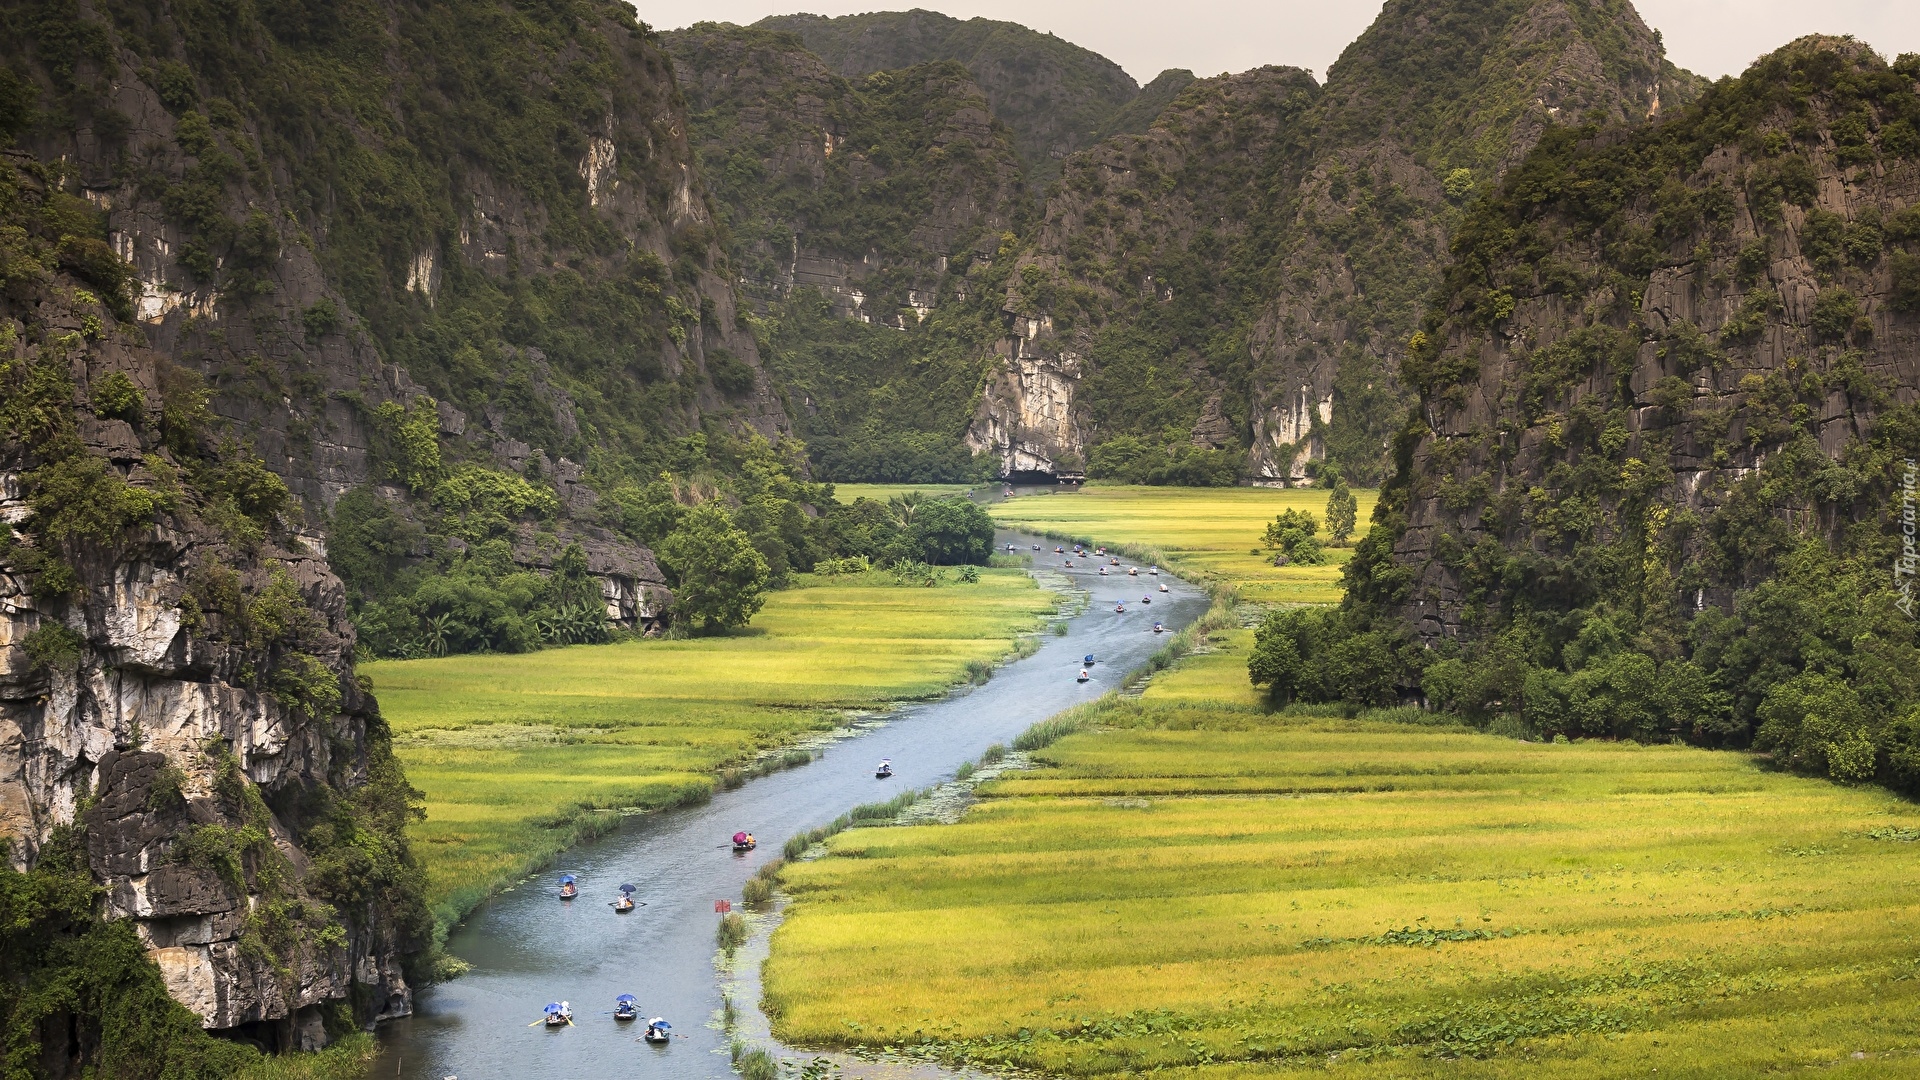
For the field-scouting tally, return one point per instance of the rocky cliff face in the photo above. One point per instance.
(1136, 226)
(879, 192)
(1432, 101)
(175, 665)
(1056, 97)
(1308, 226)
(1703, 362)
(327, 217)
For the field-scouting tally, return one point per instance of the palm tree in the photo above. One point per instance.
(904, 506)
(439, 629)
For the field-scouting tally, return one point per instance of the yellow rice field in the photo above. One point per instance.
(512, 751)
(1211, 533)
(1197, 885)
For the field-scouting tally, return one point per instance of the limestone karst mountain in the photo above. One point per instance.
(1245, 274)
(1054, 96)
(1220, 287)
(453, 263)
(1669, 397)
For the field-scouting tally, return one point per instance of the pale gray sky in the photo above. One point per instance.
(1711, 37)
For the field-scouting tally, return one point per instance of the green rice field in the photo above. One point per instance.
(1210, 533)
(517, 753)
(1192, 883)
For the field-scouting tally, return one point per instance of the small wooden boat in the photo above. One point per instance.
(1163, 586)
(1087, 660)
(884, 770)
(626, 1008)
(1133, 571)
(1083, 676)
(568, 890)
(743, 841)
(1146, 599)
(656, 1032)
(1158, 629)
(558, 1014)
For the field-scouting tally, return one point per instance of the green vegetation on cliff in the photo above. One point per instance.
(126, 474)
(1056, 96)
(1662, 383)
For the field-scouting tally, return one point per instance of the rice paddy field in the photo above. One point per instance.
(1211, 533)
(1195, 884)
(518, 755)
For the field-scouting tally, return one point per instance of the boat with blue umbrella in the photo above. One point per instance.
(568, 890)
(558, 1014)
(657, 1031)
(625, 903)
(626, 1008)
(1087, 660)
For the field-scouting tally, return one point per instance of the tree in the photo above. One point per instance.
(953, 532)
(718, 577)
(1342, 508)
(1292, 532)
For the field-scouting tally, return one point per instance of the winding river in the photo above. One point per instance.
(528, 948)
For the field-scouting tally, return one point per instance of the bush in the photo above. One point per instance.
(1817, 723)
(1834, 313)
(1170, 460)
(82, 497)
(756, 892)
(951, 532)
(51, 646)
(731, 933)
(116, 398)
(1292, 532)
(731, 375)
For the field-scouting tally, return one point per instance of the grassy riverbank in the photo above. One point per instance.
(1194, 882)
(515, 753)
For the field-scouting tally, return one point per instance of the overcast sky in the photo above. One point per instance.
(1711, 37)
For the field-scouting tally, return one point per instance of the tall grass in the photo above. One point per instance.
(754, 1063)
(346, 1059)
(865, 814)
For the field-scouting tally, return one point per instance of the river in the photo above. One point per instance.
(528, 948)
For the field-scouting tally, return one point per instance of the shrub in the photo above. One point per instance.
(756, 892)
(82, 497)
(1834, 313)
(1292, 532)
(116, 398)
(1906, 282)
(53, 647)
(731, 933)
(731, 375)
